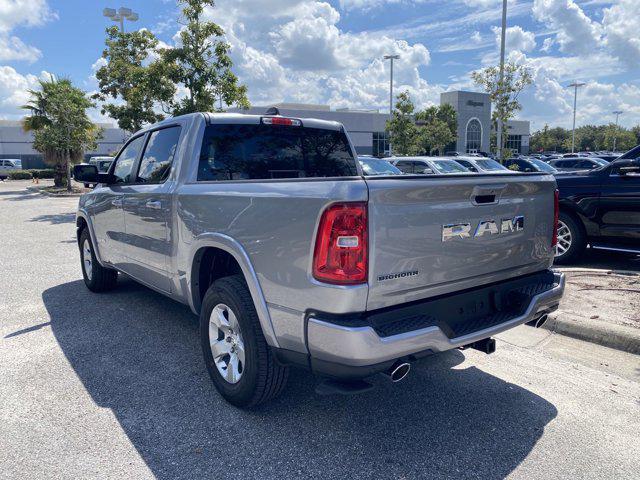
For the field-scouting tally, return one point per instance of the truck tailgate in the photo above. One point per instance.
(431, 236)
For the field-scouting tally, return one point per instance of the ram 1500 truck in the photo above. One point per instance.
(268, 229)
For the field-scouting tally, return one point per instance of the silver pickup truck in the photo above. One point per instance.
(268, 229)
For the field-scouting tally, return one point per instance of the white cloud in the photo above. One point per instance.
(14, 91)
(577, 33)
(14, 13)
(547, 44)
(12, 49)
(516, 39)
(622, 28)
(295, 51)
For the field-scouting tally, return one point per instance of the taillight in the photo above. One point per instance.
(291, 122)
(340, 255)
(556, 215)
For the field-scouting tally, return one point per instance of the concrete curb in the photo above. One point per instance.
(610, 335)
(49, 194)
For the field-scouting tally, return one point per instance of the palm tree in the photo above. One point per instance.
(62, 131)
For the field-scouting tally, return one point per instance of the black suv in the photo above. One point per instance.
(600, 208)
(577, 163)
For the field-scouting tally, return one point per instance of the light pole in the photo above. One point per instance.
(392, 58)
(575, 85)
(500, 84)
(617, 113)
(122, 14)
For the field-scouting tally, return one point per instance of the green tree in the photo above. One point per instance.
(401, 127)
(137, 83)
(549, 139)
(202, 64)
(636, 132)
(60, 125)
(434, 136)
(624, 139)
(504, 95)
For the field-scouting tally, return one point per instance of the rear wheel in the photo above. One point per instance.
(571, 239)
(238, 359)
(96, 277)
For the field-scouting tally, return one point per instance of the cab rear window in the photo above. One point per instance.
(257, 152)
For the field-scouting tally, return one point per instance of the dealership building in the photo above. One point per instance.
(367, 128)
(16, 143)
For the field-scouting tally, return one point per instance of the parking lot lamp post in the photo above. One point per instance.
(392, 58)
(122, 14)
(501, 81)
(617, 113)
(575, 85)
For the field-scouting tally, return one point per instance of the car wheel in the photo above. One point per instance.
(96, 277)
(571, 239)
(238, 359)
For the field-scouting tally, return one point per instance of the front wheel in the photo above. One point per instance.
(238, 359)
(96, 277)
(571, 239)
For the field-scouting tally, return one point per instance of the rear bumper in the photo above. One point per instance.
(359, 345)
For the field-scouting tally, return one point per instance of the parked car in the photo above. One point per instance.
(482, 165)
(600, 208)
(267, 228)
(103, 163)
(428, 165)
(569, 164)
(529, 165)
(377, 166)
(9, 165)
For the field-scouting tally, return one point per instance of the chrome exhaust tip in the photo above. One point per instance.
(538, 322)
(399, 371)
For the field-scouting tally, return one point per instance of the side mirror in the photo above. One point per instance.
(87, 173)
(427, 171)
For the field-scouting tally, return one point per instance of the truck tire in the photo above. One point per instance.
(572, 240)
(244, 369)
(96, 277)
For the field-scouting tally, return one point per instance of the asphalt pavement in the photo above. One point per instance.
(113, 386)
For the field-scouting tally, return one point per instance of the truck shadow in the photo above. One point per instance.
(138, 354)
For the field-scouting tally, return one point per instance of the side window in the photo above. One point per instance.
(422, 168)
(406, 167)
(127, 158)
(586, 164)
(468, 165)
(158, 155)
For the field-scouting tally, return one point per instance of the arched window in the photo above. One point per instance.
(474, 135)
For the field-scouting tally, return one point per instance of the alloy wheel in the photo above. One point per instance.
(87, 259)
(227, 345)
(564, 239)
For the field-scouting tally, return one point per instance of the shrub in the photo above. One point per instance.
(19, 175)
(43, 173)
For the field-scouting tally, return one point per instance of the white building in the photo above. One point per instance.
(367, 128)
(16, 143)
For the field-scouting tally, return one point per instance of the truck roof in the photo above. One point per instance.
(242, 118)
(247, 119)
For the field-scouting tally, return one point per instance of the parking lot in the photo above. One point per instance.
(113, 385)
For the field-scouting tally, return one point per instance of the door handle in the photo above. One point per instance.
(154, 204)
(117, 202)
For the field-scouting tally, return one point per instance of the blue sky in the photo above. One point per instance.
(330, 52)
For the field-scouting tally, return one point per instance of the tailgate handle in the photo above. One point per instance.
(484, 199)
(487, 194)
